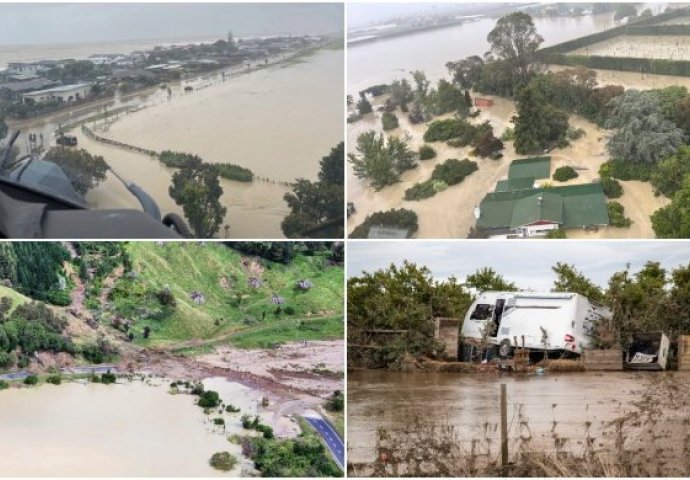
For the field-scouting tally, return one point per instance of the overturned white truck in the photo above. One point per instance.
(549, 321)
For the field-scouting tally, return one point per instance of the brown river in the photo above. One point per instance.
(129, 429)
(570, 407)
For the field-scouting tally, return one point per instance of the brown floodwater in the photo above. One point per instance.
(538, 407)
(129, 429)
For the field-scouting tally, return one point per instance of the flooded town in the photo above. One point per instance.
(460, 115)
(499, 362)
(143, 111)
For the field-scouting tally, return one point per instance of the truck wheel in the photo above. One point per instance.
(176, 223)
(505, 350)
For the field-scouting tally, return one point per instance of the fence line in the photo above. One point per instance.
(152, 153)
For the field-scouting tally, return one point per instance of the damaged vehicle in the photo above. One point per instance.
(556, 323)
(647, 351)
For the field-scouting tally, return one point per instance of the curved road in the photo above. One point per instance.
(330, 436)
(104, 368)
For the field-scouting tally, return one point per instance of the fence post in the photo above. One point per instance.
(504, 431)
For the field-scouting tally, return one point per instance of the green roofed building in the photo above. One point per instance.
(533, 212)
(512, 184)
(535, 167)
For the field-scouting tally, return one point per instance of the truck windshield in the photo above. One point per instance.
(482, 311)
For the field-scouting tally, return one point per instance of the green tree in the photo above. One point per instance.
(515, 40)
(486, 279)
(466, 73)
(379, 161)
(316, 208)
(538, 125)
(389, 121)
(673, 220)
(401, 93)
(568, 279)
(669, 173)
(196, 188)
(85, 171)
(642, 133)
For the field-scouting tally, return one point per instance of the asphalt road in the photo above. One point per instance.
(331, 437)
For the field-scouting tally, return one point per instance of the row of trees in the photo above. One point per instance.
(407, 298)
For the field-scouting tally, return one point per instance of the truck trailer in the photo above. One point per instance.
(545, 321)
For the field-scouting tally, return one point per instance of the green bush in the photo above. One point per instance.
(289, 310)
(4, 385)
(508, 135)
(573, 134)
(389, 121)
(108, 378)
(623, 170)
(426, 189)
(209, 399)
(402, 218)
(232, 409)
(223, 461)
(219, 421)
(617, 216)
(557, 233)
(563, 174)
(363, 106)
(337, 402)
(54, 379)
(454, 171)
(31, 380)
(234, 172)
(449, 129)
(426, 152)
(612, 187)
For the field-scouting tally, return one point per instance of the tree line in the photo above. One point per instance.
(407, 299)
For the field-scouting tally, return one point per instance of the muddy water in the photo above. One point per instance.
(130, 429)
(552, 403)
(385, 60)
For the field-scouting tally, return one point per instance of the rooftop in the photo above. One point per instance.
(570, 206)
(535, 167)
(61, 89)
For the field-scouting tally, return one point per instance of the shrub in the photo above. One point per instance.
(4, 385)
(289, 310)
(508, 135)
(612, 187)
(364, 107)
(246, 421)
(557, 233)
(429, 188)
(573, 134)
(337, 402)
(623, 170)
(454, 171)
(266, 430)
(230, 171)
(402, 218)
(232, 409)
(444, 130)
(617, 215)
(563, 174)
(108, 378)
(54, 379)
(31, 380)
(426, 152)
(209, 399)
(219, 421)
(223, 461)
(389, 121)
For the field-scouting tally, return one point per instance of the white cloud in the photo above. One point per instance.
(528, 263)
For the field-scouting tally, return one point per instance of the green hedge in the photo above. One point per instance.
(679, 68)
(234, 172)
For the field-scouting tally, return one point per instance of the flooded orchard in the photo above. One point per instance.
(133, 428)
(393, 417)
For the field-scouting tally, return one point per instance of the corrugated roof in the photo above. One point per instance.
(539, 207)
(535, 167)
(27, 85)
(512, 184)
(581, 205)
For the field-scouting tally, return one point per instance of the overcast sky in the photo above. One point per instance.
(41, 23)
(527, 263)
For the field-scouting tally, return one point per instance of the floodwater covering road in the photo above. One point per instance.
(553, 412)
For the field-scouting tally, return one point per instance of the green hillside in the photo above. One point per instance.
(16, 297)
(232, 310)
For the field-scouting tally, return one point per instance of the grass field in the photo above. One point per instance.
(233, 310)
(16, 297)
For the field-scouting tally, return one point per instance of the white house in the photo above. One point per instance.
(65, 94)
